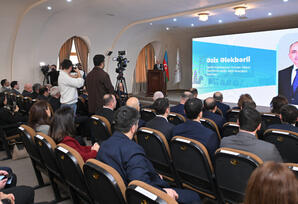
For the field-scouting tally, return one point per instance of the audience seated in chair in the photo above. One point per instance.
(210, 109)
(156, 95)
(43, 94)
(288, 116)
(277, 102)
(5, 86)
(54, 98)
(242, 99)
(35, 89)
(39, 116)
(193, 129)
(130, 160)
(180, 107)
(9, 116)
(15, 87)
(272, 183)
(10, 193)
(246, 140)
(27, 90)
(62, 130)
(219, 98)
(107, 111)
(194, 92)
(134, 103)
(160, 122)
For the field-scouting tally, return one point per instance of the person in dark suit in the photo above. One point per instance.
(277, 102)
(288, 116)
(194, 92)
(54, 98)
(98, 84)
(134, 103)
(209, 112)
(53, 74)
(43, 94)
(180, 107)
(193, 128)
(246, 140)
(130, 159)
(35, 92)
(15, 87)
(223, 107)
(288, 79)
(160, 122)
(27, 90)
(107, 111)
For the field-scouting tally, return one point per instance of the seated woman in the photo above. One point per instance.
(62, 130)
(39, 116)
(10, 116)
(272, 183)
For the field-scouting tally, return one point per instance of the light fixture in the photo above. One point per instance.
(219, 21)
(69, 0)
(203, 16)
(167, 28)
(150, 23)
(192, 25)
(49, 8)
(174, 19)
(42, 64)
(269, 14)
(285, 0)
(240, 11)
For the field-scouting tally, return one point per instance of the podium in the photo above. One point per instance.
(156, 81)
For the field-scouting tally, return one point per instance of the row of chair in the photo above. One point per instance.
(92, 182)
(24, 103)
(186, 163)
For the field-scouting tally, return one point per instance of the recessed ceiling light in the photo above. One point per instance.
(203, 16)
(240, 10)
(285, 0)
(49, 8)
(150, 23)
(174, 19)
(192, 25)
(269, 14)
(69, 0)
(167, 28)
(220, 21)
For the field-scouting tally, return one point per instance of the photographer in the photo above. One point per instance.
(68, 85)
(98, 84)
(53, 74)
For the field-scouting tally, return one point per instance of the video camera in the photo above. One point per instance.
(45, 69)
(122, 62)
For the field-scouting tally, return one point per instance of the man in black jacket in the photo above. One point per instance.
(107, 111)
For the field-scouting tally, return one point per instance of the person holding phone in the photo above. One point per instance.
(69, 84)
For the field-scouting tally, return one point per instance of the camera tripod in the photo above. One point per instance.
(121, 89)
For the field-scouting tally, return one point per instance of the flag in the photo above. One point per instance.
(177, 70)
(165, 66)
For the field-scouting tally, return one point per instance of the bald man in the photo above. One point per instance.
(209, 112)
(134, 103)
(223, 107)
(27, 90)
(107, 111)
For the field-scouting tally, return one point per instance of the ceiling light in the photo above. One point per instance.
(269, 14)
(49, 8)
(174, 19)
(240, 10)
(69, 0)
(220, 21)
(192, 25)
(203, 16)
(150, 23)
(42, 64)
(285, 0)
(167, 28)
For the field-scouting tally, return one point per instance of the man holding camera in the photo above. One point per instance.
(98, 84)
(69, 84)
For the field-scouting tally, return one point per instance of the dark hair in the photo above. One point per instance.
(62, 124)
(242, 98)
(160, 105)
(53, 65)
(2, 99)
(38, 115)
(289, 114)
(107, 99)
(66, 64)
(249, 103)
(218, 96)
(277, 102)
(36, 87)
(194, 91)
(249, 119)
(125, 117)
(187, 95)
(209, 103)
(193, 107)
(272, 183)
(3, 82)
(13, 83)
(98, 59)
(42, 90)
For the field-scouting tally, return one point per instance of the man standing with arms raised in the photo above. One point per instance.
(98, 84)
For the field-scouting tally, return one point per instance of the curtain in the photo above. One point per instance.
(65, 51)
(82, 52)
(145, 62)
